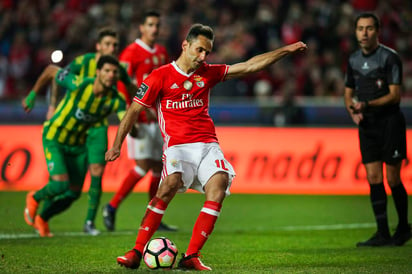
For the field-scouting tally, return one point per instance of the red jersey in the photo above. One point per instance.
(182, 102)
(139, 60)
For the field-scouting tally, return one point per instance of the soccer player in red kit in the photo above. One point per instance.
(192, 157)
(145, 146)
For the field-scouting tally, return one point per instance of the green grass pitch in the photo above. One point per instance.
(254, 234)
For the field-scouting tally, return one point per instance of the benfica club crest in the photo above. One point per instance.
(199, 81)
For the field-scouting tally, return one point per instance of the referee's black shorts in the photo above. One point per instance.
(383, 138)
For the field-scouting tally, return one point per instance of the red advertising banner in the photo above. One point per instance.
(266, 160)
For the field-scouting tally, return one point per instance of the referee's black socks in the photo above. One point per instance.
(400, 198)
(379, 201)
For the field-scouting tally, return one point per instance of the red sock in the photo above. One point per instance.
(127, 186)
(154, 184)
(204, 226)
(150, 222)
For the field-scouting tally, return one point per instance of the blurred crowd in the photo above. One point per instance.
(30, 30)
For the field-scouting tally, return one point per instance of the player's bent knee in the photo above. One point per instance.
(219, 180)
(215, 188)
(96, 170)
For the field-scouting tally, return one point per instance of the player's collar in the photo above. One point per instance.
(181, 71)
(145, 46)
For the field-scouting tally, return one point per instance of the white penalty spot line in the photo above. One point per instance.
(6, 236)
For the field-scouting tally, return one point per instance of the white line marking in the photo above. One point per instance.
(5, 236)
(327, 227)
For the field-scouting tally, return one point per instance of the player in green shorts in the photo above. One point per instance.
(96, 142)
(86, 104)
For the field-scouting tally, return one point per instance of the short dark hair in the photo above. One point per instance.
(150, 13)
(106, 31)
(199, 29)
(104, 59)
(375, 18)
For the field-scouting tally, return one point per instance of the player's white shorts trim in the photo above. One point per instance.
(197, 162)
(148, 145)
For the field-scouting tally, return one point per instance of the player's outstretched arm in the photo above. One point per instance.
(54, 94)
(263, 60)
(124, 128)
(45, 77)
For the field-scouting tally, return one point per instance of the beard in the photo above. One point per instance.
(107, 84)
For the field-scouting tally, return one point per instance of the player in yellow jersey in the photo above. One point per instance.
(85, 66)
(86, 104)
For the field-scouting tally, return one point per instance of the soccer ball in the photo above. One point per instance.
(160, 253)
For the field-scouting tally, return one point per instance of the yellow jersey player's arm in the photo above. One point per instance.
(53, 98)
(44, 79)
(67, 79)
(55, 90)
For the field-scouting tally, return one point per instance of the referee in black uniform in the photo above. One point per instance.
(372, 96)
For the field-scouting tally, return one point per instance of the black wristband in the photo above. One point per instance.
(366, 104)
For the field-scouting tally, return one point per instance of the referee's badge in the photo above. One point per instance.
(379, 83)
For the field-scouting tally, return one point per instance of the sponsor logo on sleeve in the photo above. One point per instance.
(62, 74)
(141, 91)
